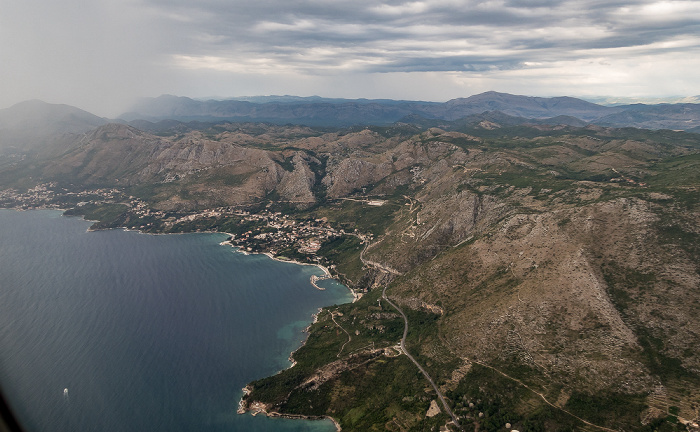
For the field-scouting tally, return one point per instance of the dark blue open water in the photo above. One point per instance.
(147, 333)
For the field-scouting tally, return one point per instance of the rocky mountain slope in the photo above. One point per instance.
(549, 273)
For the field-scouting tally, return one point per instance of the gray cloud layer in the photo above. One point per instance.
(438, 35)
(429, 49)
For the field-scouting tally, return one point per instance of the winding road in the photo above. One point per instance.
(375, 264)
(423, 371)
(425, 374)
(346, 332)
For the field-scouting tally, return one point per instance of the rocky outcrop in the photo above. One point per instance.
(351, 174)
(296, 186)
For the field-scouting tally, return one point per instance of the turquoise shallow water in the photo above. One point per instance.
(147, 333)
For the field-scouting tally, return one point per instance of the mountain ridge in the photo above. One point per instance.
(564, 256)
(27, 125)
(316, 111)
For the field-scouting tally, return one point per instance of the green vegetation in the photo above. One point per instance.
(674, 233)
(369, 388)
(345, 251)
(219, 176)
(624, 284)
(614, 409)
(502, 401)
(423, 342)
(105, 215)
(659, 363)
(434, 185)
(356, 215)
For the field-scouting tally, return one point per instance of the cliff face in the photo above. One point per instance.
(296, 185)
(215, 172)
(348, 175)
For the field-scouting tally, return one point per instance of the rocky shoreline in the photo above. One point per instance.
(255, 408)
(313, 279)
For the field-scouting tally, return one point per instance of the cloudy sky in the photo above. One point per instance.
(101, 54)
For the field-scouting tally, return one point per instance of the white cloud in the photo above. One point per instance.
(666, 10)
(401, 9)
(297, 25)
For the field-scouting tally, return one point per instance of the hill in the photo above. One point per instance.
(35, 124)
(681, 116)
(547, 269)
(524, 106)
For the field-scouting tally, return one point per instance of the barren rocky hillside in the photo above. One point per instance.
(550, 274)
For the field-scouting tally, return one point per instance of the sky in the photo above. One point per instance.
(100, 55)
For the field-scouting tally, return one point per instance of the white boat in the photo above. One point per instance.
(65, 391)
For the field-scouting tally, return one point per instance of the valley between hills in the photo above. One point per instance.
(545, 274)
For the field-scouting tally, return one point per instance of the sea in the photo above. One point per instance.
(121, 331)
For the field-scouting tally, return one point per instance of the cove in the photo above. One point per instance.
(146, 332)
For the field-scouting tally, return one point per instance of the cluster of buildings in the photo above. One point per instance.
(279, 234)
(46, 195)
(39, 196)
(265, 230)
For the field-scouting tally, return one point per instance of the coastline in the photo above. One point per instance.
(243, 406)
(306, 330)
(256, 408)
(313, 279)
(55, 213)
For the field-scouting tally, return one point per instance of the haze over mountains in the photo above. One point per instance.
(317, 111)
(26, 124)
(31, 124)
(516, 235)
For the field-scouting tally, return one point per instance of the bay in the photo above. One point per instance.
(147, 333)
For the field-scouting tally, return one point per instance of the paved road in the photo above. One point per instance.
(425, 374)
(376, 264)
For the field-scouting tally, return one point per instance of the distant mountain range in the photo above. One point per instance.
(616, 101)
(318, 111)
(547, 268)
(29, 125)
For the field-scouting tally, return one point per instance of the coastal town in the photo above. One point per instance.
(51, 196)
(281, 236)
